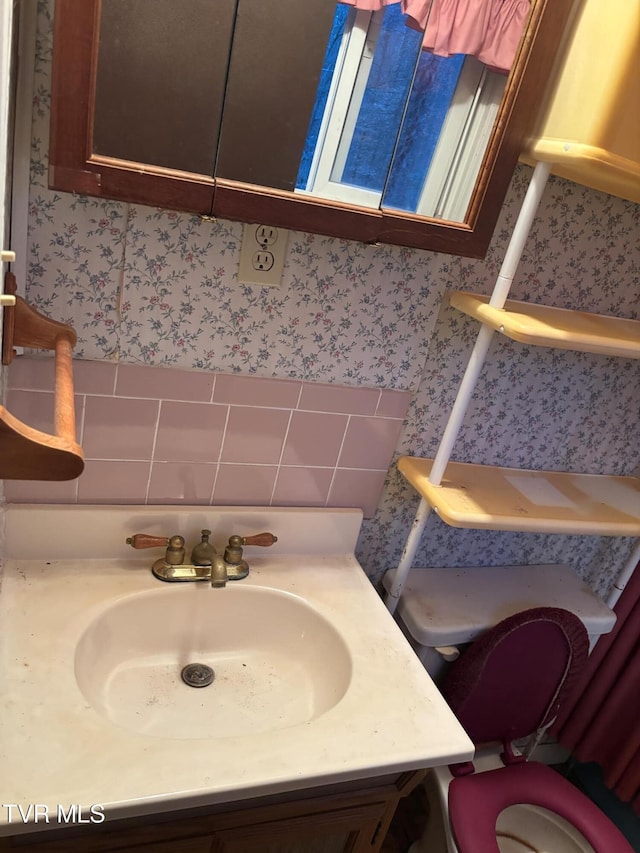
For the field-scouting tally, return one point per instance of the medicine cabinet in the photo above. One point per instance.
(249, 111)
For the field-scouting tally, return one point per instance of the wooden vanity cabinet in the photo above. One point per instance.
(178, 159)
(345, 818)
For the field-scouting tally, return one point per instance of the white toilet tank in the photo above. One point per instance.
(441, 610)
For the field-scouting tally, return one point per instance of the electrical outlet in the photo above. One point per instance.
(266, 235)
(263, 261)
(262, 255)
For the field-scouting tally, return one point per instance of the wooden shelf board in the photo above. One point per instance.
(554, 327)
(493, 498)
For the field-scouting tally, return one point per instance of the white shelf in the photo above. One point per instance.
(493, 498)
(541, 325)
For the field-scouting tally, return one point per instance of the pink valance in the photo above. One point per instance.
(487, 29)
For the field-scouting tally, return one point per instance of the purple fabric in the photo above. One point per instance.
(512, 680)
(601, 720)
(476, 801)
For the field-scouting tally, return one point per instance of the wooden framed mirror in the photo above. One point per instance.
(208, 108)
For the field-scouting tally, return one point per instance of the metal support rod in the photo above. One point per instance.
(498, 298)
(408, 555)
(624, 576)
(520, 234)
(476, 361)
(463, 398)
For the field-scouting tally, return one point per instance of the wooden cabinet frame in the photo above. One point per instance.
(359, 811)
(74, 168)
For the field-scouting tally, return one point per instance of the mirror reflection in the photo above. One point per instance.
(406, 103)
(381, 104)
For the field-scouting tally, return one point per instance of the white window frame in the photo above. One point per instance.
(462, 142)
(461, 145)
(348, 84)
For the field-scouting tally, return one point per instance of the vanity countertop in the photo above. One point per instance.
(67, 564)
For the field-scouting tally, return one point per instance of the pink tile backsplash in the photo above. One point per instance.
(190, 432)
(245, 484)
(161, 384)
(367, 441)
(37, 409)
(357, 488)
(181, 482)
(32, 373)
(41, 491)
(160, 435)
(254, 435)
(112, 482)
(119, 427)
(33, 408)
(392, 404)
(314, 438)
(94, 377)
(299, 486)
(254, 391)
(339, 398)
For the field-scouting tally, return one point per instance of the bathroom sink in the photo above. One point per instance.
(277, 661)
(315, 684)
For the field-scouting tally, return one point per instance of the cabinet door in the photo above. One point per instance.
(337, 831)
(159, 85)
(139, 92)
(181, 845)
(112, 843)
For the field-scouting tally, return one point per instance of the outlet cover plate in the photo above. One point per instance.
(262, 255)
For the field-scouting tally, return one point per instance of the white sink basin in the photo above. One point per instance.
(277, 661)
(315, 684)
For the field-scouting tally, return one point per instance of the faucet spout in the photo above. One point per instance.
(219, 576)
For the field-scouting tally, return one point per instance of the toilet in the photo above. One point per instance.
(508, 684)
(442, 610)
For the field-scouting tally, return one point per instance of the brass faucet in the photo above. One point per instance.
(206, 564)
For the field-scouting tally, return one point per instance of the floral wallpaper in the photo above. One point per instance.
(156, 287)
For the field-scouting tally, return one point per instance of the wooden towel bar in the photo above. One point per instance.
(25, 452)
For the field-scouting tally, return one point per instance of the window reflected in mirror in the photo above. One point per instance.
(405, 107)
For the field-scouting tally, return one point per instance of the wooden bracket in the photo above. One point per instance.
(27, 453)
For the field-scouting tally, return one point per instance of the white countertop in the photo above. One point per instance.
(55, 748)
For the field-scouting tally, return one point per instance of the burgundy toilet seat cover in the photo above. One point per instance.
(476, 801)
(514, 677)
(509, 683)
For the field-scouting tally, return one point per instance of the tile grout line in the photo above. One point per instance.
(219, 459)
(335, 467)
(213, 403)
(80, 439)
(153, 450)
(279, 464)
(378, 401)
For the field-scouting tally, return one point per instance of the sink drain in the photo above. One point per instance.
(198, 675)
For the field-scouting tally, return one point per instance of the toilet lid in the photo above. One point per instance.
(477, 800)
(512, 680)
